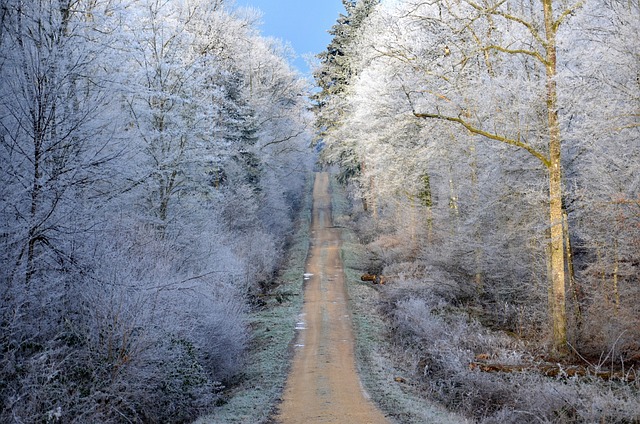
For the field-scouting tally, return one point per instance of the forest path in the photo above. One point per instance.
(323, 386)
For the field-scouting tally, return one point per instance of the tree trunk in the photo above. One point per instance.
(558, 306)
(365, 200)
(36, 188)
(616, 270)
(373, 201)
(574, 287)
(478, 254)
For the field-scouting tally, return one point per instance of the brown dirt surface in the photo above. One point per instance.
(323, 385)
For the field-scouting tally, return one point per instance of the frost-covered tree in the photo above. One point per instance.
(333, 76)
(529, 34)
(601, 169)
(150, 177)
(57, 142)
(54, 130)
(510, 126)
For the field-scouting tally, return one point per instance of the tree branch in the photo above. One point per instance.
(514, 142)
(285, 139)
(494, 11)
(518, 51)
(566, 13)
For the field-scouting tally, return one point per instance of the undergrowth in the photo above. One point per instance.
(384, 377)
(416, 338)
(255, 394)
(440, 341)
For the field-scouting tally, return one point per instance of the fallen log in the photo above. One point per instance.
(555, 370)
(375, 279)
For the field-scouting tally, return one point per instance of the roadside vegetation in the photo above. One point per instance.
(256, 392)
(150, 178)
(490, 150)
(423, 349)
(384, 375)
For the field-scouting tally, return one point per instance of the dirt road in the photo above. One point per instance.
(323, 386)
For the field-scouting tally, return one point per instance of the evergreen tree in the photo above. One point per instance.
(333, 76)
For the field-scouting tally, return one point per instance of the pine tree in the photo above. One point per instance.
(334, 76)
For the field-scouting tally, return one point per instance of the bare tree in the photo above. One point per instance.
(54, 132)
(537, 49)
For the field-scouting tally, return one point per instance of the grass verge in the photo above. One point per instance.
(381, 374)
(255, 397)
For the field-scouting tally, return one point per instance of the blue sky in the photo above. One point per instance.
(303, 23)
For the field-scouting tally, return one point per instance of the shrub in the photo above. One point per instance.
(440, 340)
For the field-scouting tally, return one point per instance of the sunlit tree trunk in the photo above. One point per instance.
(558, 307)
(550, 159)
(478, 254)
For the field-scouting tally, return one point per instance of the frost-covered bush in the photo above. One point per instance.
(137, 340)
(136, 203)
(440, 341)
